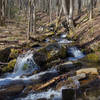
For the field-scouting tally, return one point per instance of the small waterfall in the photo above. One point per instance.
(63, 35)
(25, 64)
(63, 41)
(75, 53)
(49, 95)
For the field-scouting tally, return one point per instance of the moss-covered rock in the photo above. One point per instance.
(90, 60)
(14, 53)
(9, 53)
(10, 66)
(50, 53)
(93, 58)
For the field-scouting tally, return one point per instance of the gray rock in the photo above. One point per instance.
(65, 67)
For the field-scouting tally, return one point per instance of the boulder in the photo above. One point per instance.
(68, 94)
(42, 99)
(4, 54)
(92, 58)
(49, 53)
(9, 67)
(65, 67)
(71, 82)
(92, 71)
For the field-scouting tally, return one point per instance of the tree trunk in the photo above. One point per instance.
(71, 14)
(79, 7)
(50, 11)
(90, 9)
(0, 12)
(65, 5)
(34, 17)
(28, 32)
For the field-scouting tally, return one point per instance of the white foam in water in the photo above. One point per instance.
(25, 64)
(54, 94)
(63, 41)
(47, 39)
(76, 53)
(63, 35)
(12, 77)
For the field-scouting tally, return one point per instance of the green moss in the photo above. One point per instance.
(25, 67)
(10, 66)
(14, 53)
(93, 57)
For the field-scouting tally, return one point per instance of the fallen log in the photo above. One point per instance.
(58, 78)
(51, 82)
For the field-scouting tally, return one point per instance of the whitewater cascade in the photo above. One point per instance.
(25, 64)
(75, 53)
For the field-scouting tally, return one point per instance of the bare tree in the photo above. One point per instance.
(65, 5)
(0, 12)
(50, 10)
(34, 16)
(79, 7)
(90, 9)
(71, 13)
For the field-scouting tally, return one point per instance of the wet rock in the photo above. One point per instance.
(71, 82)
(54, 63)
(4, 54)
(49, 53)
(68, 94)
(79, 76)
(92, 71)
(11, 89)
(42, 99)
(65, 67)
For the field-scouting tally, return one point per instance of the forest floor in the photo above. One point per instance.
(87, 33)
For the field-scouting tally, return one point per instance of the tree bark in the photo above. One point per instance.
(34, 16)
(50, 10)
(90, 9)
(71, 13)
(79, 7)
(0, 12)
(65, 5)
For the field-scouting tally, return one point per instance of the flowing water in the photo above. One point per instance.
(26, 65)
(50, 94)
(75, 53)
(63, 41)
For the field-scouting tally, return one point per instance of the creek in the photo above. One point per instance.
(26, 65)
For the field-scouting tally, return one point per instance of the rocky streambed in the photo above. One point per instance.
(43, 74)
